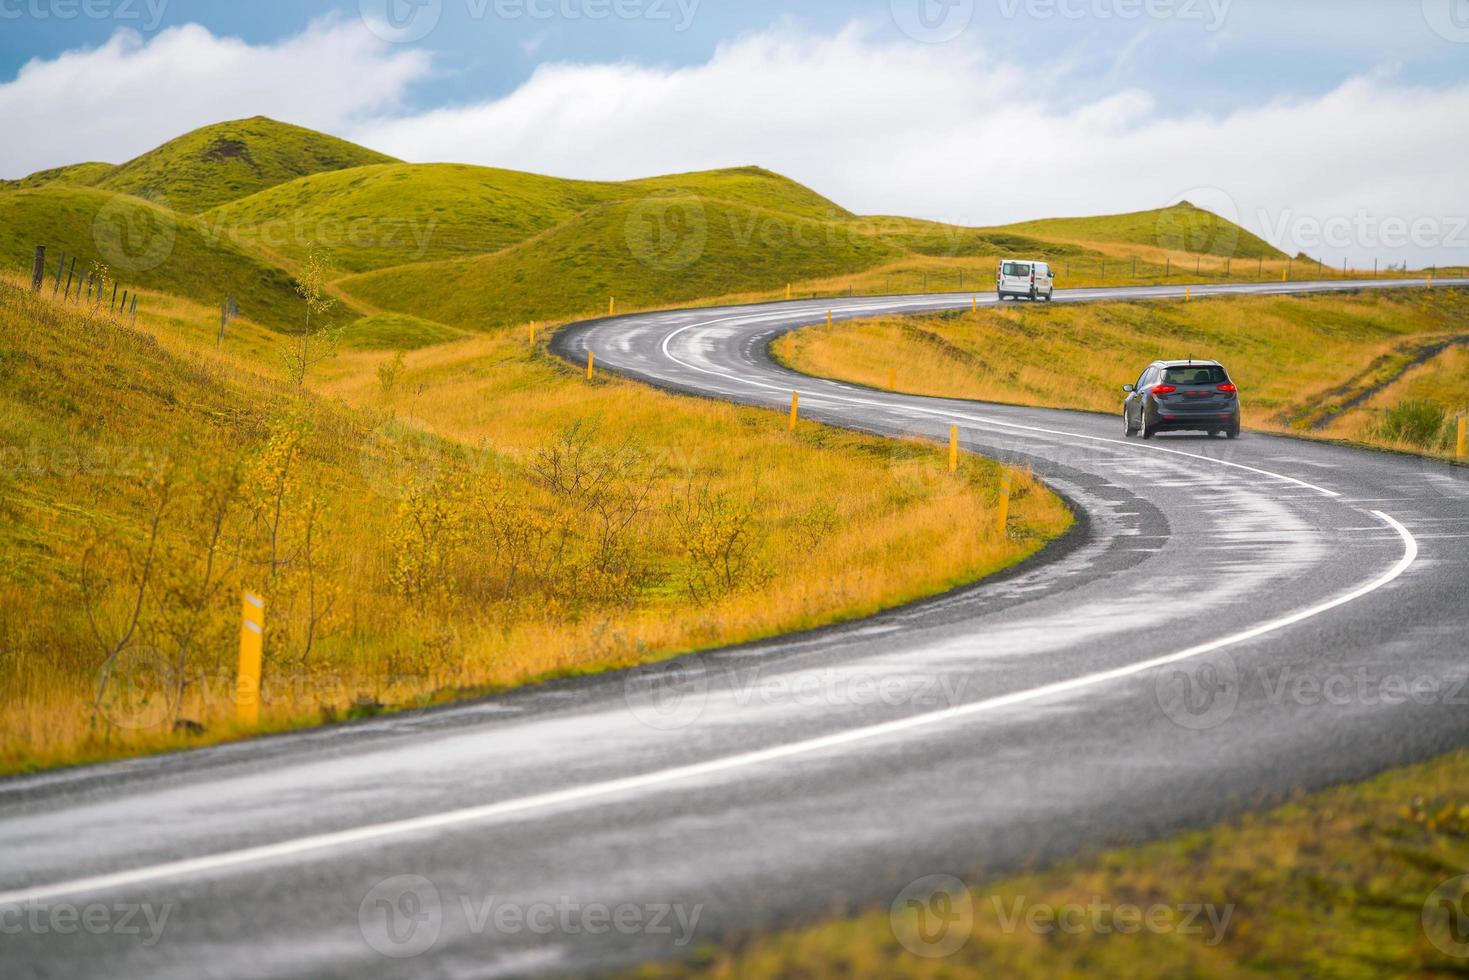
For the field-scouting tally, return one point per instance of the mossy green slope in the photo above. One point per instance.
(78, 174)
(1182, 228)
(395, 214)
(653, 251)
(231, 160)
(384, 216)
(144, 247)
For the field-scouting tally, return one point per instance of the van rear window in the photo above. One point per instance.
(1017, 268)
(1200, 375)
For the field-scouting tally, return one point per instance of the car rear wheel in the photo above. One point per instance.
(1233, 431)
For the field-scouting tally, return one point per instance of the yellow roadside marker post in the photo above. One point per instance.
(612, 306)
(976, 304)
(1430, 280)
(795, 410)
(953, 449)
(1188, 294)
(789, 288)
(591, 366)
(1463, 436)
(252, 653)
(1283, 274)
(532, 334)
(1002, 511)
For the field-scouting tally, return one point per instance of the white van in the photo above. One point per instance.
(1026, 280)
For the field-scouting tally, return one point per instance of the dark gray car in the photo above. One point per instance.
(1182, 396)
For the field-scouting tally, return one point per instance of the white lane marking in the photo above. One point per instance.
(653, 780)
(982, 420)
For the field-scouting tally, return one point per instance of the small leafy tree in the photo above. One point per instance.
(318, 340)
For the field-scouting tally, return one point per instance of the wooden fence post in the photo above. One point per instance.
(60, 266)
(38, 271)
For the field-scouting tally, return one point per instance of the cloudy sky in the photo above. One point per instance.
(1340, 128)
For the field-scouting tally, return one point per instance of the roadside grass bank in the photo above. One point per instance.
(424, 525)
(1365, 880)
(1382, 369)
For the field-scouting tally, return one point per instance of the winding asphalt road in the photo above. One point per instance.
(1228, 624)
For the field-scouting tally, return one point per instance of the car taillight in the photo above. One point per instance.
(1229, 389)
(1163, 389)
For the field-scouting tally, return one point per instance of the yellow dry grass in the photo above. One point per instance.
(1324, 366)
(840, 525)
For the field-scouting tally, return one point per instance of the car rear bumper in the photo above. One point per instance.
(1194, 422)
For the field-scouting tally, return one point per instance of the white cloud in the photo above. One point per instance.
(121, 99)
(941, 131)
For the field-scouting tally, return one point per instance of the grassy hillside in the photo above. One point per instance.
(480, 248)
(1334, 366)
(422, 551)
(1182, 228)
(79, 175)
(659, 250)
(383, 216)
(395, 214)
(228, 161)
(143, 246)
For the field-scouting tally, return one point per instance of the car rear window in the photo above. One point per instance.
(1201, 375)
(1017, 268)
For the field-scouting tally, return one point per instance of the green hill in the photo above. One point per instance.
(78, 174)
(384, 216)
(1181, 228)
(228, 161)
(143, 246)
(393, 214)
(658, 250)
(479, 248)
